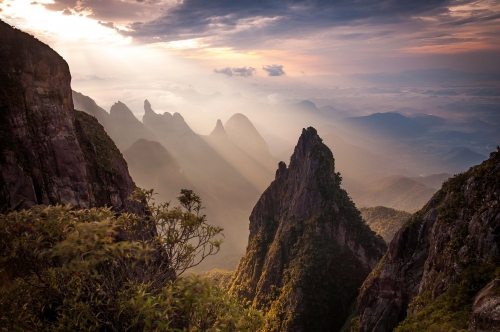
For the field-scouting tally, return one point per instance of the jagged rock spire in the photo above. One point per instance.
(309, 250)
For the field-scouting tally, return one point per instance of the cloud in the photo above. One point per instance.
(110, 25)
(274, 70)
(226, 71)
(242, 72)
(220, 19)
(67, 12)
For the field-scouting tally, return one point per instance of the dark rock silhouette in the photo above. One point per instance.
(51, 153)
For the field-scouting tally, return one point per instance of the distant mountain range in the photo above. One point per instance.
(229, 168)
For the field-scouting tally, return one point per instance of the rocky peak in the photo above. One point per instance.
(50, 153)
(120, 110)
(308, 246)
(218, 131)
(147, 107)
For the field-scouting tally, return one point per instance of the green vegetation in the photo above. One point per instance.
(451, 310)
(96, 142)
(384, 221)
(63, 269)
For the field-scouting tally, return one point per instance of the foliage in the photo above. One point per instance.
(451, 310)
(97, 143)
(70, 270)
(384, 221)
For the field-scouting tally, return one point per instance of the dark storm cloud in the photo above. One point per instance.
(241, 72)
(274, 70)
(198, 18)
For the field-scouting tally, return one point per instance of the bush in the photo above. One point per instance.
(70, 270)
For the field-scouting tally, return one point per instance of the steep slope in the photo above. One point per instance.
(384, 221)
(256, 173)
(50, 153)
(440, 260)
(242, 132)
(308, 250)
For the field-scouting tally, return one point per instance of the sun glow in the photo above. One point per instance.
(33, 17)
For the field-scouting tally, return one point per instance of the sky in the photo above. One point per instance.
(244, 38)
(273, 50)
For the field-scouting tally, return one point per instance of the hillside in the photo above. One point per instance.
(440, 271)
(384, 221)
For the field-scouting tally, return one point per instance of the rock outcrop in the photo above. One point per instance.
(486, 309)
(308, 250)
(440, 259)
(50, 153)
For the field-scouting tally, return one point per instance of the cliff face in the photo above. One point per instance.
(51, 153)
(440, 260)
(308, 250)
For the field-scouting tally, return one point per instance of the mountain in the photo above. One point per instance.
(153, 167)
(121, 125)
(51, 153)
(126, 124)
(308, 250)
(440, 272)
(429, 120)
(384, 221)
(386, 125)
(459, 159)
(397, 192)
(242, 132)
(433, 180)
(255, 172)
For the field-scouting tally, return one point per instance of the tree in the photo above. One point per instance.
(63, 269)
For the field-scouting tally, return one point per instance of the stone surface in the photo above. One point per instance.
(49, 152)
(486, 309)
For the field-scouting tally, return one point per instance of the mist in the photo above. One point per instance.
(395, 137)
